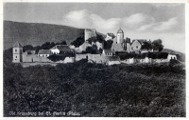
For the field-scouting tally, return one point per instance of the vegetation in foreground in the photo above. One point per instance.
(95, 89)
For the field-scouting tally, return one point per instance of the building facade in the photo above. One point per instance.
(17, 52)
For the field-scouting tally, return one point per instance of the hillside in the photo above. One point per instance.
(95, 90)
(180, 55)
(37, 33)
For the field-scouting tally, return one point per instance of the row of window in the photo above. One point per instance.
(108, 53)
(44, 55)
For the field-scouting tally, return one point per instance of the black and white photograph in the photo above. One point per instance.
(80, 59)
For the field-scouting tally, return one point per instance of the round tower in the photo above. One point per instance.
(120, 36)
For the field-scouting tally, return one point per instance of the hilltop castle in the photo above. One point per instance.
(108, 56)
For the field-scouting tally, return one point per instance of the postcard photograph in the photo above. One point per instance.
(94, 59)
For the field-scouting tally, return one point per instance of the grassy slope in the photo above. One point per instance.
(95, 90)
(37, 34)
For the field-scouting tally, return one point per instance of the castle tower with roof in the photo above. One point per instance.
(17, 52)
(120, 36)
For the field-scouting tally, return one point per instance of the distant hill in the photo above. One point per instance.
(37, 33)
(180, 55)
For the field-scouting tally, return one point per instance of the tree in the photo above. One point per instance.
(98, 38)
(92, 39)
(146, 45)
(108, 44)
(93, 49)
(47, 45)
(28, 47)
(62, 43)
(157, 45)
(79, 41)
(128, 40)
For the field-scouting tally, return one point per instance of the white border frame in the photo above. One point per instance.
(98, 1)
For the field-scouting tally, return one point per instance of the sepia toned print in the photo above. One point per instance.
(94, 60)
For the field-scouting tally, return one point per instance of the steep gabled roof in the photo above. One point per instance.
(113, 58)
(139, 40)
(63, 48)
(111, 34)
(108, 51)
(44, 51)
(17, 44)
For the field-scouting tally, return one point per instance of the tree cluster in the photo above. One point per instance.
(108, 44)
(46, 45)
(78, 42)
(153, 55)
(156, 45)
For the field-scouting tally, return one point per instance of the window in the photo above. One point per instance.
(15, 50)
(15, 56)
(136, 46)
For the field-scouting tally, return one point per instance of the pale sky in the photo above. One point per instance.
(138, 20)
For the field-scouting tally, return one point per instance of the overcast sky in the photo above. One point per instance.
(139, 21)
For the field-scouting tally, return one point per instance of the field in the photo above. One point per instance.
(94, 89)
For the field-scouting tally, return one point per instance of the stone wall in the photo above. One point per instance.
(97, 58)
(34, 58)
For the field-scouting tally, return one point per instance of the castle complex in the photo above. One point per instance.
(107, 56)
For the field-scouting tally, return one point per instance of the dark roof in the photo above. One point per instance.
(139, 40)
(44, 51)
(108, 51)
(62, 48)
(113, 58)
(120, 30)
(111, 34)
(17, 44)
(89, 29)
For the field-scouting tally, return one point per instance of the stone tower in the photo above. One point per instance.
(90, 33)
(120, 36)
(17, 52)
